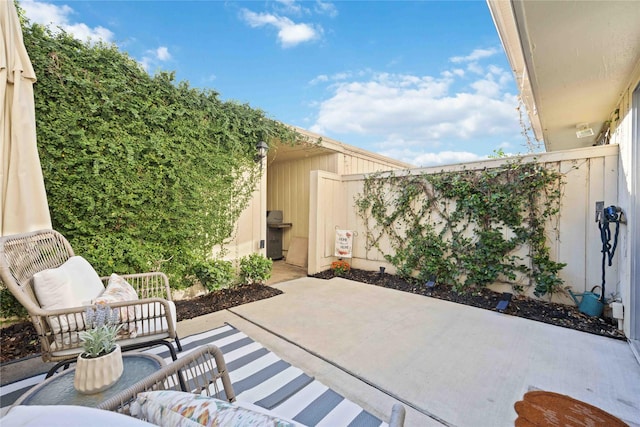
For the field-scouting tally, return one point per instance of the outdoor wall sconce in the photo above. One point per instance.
(261, 149)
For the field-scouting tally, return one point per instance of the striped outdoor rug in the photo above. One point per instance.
(259, 377)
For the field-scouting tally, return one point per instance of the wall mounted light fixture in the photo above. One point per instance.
(583, 130)
(261, 149)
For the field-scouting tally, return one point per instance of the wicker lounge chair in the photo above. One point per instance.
(150, 320)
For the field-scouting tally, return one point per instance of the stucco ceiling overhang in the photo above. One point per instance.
(573, 61)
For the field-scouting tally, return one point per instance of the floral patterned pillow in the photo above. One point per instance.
(179, 409)
(118, 290)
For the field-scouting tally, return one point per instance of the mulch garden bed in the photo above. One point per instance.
(20, 340)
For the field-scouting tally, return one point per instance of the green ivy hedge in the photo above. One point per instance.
(142, 172)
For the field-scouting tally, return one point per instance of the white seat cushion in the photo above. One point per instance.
(76, 277)
(74, 284)
(66, 416)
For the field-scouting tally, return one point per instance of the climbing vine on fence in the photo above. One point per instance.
(142, 172)
(468, 228)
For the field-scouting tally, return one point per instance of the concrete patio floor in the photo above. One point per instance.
(447, 363)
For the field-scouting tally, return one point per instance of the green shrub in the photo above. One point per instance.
(9, 305)
(215, 274)
(255, 268)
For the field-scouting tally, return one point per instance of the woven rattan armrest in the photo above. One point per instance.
(147, 285)
(397, 416)
(153, 320)
(199, 372)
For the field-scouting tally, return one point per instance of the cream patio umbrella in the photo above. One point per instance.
(23, 200)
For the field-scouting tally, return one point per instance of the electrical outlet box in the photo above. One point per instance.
(599, 211)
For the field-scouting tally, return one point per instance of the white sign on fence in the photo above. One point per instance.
(344, 243)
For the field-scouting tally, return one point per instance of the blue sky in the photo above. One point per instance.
(424, 82)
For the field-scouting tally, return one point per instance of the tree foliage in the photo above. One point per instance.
(142, 172)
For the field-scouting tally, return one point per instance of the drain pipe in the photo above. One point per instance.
(617, 310)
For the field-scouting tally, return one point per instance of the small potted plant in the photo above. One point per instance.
(100, 364)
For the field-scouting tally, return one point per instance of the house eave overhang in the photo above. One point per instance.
(506, 25)
(572, 60)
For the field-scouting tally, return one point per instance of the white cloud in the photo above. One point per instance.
(323, 78)
(475, 68)
(154, 57)
(162, 53)
(290, 7)
(295, 8)
(475, 55)
(289, 33)
(431, 117)
(326, 8)
(419, 106)
(55, 16)
(486, 87)
(422, 159)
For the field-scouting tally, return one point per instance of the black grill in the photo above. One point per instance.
(275, 226)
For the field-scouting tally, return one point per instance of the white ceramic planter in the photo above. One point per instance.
(96, 375)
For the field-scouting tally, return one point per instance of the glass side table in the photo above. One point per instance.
(59, 390)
